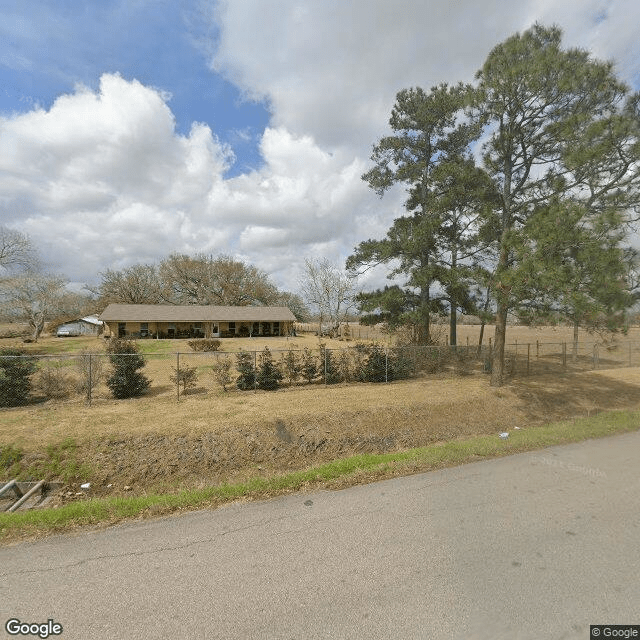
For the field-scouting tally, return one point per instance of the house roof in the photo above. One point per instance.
(88, 319)
(193, 313)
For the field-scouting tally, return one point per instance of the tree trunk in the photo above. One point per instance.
(453, 325)
(483, 323)
(497, 364)
(453, 317)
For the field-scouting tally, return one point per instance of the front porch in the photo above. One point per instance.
(182, 330)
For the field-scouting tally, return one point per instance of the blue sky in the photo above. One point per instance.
(49, 47)
(131, 129)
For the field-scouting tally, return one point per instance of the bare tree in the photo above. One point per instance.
(34, 298)
(16, 250)
(328, 290)
(220, 280)
(139, 284)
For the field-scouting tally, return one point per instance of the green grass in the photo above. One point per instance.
(341, 472)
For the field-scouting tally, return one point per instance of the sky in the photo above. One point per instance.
(133, 129)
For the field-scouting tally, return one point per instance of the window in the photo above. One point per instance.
(232, 327)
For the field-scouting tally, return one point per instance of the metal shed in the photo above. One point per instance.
(87, 326)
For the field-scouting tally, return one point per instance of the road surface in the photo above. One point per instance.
(533, 546)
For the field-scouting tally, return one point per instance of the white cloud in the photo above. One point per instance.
(102, 179)
(331, 69)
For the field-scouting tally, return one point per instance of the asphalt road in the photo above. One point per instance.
(536, 546)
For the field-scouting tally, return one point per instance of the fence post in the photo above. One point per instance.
(537, 349)
(178, 375)
(255, 372)
(386, 365)
(90, 383)
(325, 366)
(528, 356)
(564, 355)
(629, 353)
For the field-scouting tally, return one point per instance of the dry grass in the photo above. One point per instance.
(437, 404)
(209, 435)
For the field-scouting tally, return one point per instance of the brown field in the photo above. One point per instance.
(156, 443)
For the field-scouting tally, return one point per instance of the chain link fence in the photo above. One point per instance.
(95, 377)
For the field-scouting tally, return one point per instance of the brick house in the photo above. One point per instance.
(195, 321)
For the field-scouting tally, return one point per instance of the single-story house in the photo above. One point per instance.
(195, 321)
(87, 326)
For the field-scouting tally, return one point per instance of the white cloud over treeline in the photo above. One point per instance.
(102, 179)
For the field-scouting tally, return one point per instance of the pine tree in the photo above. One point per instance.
(16, 369)
(427, 134)
(246, 369)
(563, 131)
(292, 366)
(328, 369)
(126, 381)
(269, 375)
(309, 365)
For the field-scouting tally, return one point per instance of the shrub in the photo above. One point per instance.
(90, 367)
(205, 344)
(434, 359)
(16, 369)
(126, 381)
(309, 366)
(344, 365)
(269, 375)
(328, 368)
(185, 376)
(54, 382)
(246, 369)
(375, 367)
(292, 366)
(463, 362)
(222, 372)
(402, 363)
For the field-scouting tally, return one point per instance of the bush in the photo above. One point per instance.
(292, 366)
(126, 381)
(463, 362)
(309, 367)
(328, 368)
(244, 365)
(54, 382)
(434, 359)
(16, 369)
(269, 375)
(205, 344)
(345, 369)
(90, 369)
(402, 363)
(222, 372)
(375, 367)
(185, 376)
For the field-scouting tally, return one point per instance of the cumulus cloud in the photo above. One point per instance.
(102, 179)
(331, 69)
